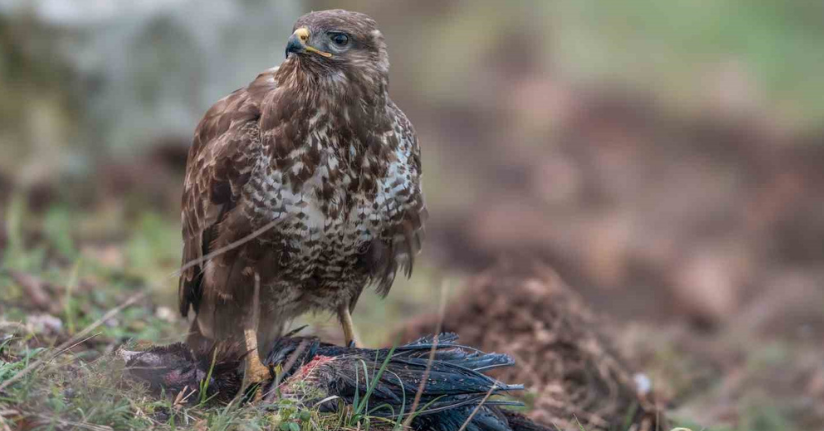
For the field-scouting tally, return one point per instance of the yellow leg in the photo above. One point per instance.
(255, 371)
(348, 326)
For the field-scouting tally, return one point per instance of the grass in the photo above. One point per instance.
(56, 381)
(66, 391)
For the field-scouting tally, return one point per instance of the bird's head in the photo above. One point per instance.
(339, 45)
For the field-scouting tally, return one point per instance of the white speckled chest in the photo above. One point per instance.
(331, 216)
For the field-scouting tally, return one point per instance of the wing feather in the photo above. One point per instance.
(402, 239)
(220, 162)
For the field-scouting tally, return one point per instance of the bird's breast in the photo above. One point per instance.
(331, 195)
(322, 221)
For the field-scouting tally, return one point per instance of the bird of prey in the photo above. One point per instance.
(320, 374)
(304, 186)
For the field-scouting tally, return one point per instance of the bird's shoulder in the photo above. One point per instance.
(241, 106)
(223, 151)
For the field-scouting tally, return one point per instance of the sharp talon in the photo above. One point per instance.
(352, 345)
(256, 372)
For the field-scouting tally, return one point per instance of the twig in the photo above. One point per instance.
(75, 344)
(478, 407)
(109, 314)
(231, 246)
(72, 424)
(422, 386)
(6, 324)
(11, 414)
(183, 397)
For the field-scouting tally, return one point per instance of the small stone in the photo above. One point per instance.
(642, 383)
(166, 314)
(39, 323)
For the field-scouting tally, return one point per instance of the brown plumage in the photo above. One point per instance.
(316, 150)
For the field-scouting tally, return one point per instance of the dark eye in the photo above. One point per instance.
(340, 39)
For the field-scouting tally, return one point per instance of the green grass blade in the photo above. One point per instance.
(377, 377)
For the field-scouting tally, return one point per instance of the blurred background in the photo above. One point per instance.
(665, 158)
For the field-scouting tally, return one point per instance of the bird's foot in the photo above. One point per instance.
(255, 376)
(256, 372)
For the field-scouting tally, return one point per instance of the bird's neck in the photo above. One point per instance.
(335, 88)
(331, 120)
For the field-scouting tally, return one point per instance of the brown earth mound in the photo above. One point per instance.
(561, 355)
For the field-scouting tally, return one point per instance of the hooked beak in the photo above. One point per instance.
(298, 44)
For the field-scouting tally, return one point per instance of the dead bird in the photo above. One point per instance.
(330, 377)
(173, 369)
(455, 378)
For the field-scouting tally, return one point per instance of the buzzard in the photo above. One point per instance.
(301, 189)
